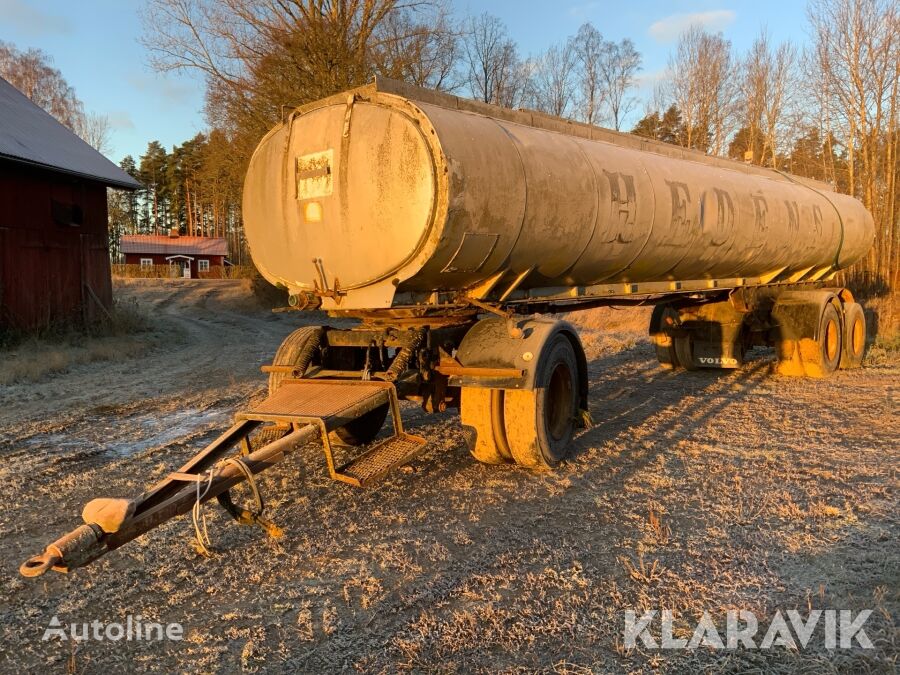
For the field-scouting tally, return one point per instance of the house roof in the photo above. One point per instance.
(31, 135)
(162, 244)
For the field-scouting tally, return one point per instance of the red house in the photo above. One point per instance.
(191, 257)
(54, 243)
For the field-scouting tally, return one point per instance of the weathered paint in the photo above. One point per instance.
(53, 247)
(416, 192)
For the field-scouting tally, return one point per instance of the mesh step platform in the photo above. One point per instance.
(381, 458)
(331, 404)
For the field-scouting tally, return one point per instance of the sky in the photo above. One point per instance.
(96, 45)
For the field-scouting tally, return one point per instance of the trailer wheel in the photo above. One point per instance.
(482, 411)
(292, 351)
(853, 347)
(540, 423)
(823, 356)
(663, 316)
(363, 429)
(684, 351)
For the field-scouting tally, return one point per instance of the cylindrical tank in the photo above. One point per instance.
(387, 198)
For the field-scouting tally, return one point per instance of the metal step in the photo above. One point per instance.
(333, 402)
(329, 405)
(380, 459)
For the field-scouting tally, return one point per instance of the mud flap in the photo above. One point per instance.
(797, 317)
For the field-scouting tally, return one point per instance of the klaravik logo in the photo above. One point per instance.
(742, 628)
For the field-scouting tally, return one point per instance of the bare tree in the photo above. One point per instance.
(552, 78)
(95, 130)
(496, 74)
(588, 47)
(701, 84)
(768, 89)
(424, 51)
(857, 56)
(259, 55)
(618, 65)
(31, 73)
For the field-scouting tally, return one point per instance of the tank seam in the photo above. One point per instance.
(512, 141)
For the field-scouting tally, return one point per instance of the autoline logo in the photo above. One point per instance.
(742, 628)
(134, 628)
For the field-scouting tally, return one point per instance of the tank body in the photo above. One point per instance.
(388, 198)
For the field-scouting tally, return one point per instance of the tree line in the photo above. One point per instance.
(828, 111)
(194, 188)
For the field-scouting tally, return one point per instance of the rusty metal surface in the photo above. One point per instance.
(454, 368)
(317, 398)
(380, 459)
(173, 496)
(602, 208)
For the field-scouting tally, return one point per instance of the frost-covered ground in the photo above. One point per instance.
(694, 491)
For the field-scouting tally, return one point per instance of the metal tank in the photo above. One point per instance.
(390, 195)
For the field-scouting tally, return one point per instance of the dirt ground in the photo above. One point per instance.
(693, 491)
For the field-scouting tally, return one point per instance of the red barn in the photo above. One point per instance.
(192, 257)
(54, 245)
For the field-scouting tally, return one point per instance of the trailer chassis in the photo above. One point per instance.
(520, 383)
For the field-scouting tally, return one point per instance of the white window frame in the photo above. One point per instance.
(203, 265)
(146, 262)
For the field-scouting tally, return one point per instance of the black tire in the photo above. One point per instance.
(853, 346)
(827, 356)
(684, 350)
(288, 354)
(363, 429)
(540, 424)
(664, 343)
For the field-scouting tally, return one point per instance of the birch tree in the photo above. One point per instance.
(618, 66)
(553, 80)
(588, 49)
(700, 83)
(857, 55)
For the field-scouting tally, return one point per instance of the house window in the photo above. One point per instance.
(146, 262)
(203, 265)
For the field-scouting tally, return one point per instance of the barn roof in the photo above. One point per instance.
(31, 135)
(162, 244)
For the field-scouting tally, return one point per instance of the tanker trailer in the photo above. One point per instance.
(452, 231)
(418, 212)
